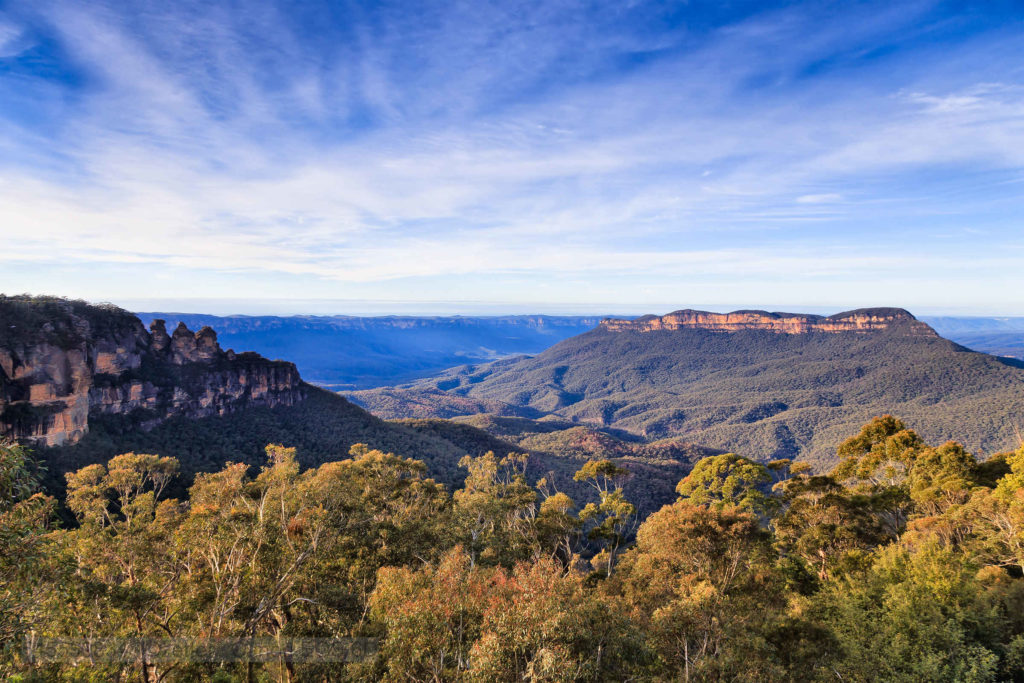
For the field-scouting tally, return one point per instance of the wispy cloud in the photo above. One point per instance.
(828, 198)
(364, 148)
(10, 39)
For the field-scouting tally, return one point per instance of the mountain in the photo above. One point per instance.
(345, 352)
(1002, 336)
(762, 384)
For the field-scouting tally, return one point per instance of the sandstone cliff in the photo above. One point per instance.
(64, 361)
(861, 320)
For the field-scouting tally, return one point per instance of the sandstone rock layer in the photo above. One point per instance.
(861, 320)
(62, 362)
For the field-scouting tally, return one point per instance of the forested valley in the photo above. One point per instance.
(903, 563)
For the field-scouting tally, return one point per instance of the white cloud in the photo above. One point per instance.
(191, 151)
(12, 40)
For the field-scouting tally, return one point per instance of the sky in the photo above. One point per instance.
(550, 156)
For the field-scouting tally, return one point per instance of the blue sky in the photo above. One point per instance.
(625, 156)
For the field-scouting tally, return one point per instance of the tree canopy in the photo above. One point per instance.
(904, 563)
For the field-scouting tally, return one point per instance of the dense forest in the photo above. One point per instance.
(903, 563)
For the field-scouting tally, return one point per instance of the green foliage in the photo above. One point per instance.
(610, 519)
(495, 509)
(601, 473)
(18, 478)
(25, 515)
(432, 616)
(699, 583)
(942, 477)
(557, 528)
(876, 572)
(544, 624)
(916, 616)
(321, 429)
(562, 447)
(728, 480)
(460, 621)
(1013, 481)
(882, 452)
(825, 525)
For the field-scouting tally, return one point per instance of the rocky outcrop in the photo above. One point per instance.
(62, 362)
(862, 320)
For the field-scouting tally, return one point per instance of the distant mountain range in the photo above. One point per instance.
(1002, 336)
(949, 326)
(346, 352)
(763, 384)
(350, 352)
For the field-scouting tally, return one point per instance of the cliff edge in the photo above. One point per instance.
(860, 320)
(63, 361)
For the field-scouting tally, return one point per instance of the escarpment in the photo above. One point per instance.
(62, 362)
(861, 320)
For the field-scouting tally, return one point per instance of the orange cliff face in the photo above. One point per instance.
(861, 320)
(62, 363)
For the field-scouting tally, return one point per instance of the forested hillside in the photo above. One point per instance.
(757, 392)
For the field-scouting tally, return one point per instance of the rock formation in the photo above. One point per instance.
(861, 320)
(64, 361)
